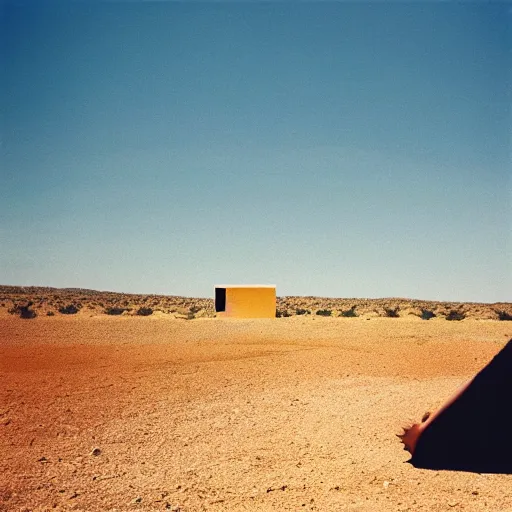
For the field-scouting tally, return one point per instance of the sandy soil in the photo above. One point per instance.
(125, 413)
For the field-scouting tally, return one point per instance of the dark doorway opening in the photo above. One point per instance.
(220, 299)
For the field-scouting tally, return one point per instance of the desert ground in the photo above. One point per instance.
(104, 413)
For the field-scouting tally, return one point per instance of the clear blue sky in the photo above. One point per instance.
(332, 149)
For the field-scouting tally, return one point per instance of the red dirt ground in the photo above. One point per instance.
(233, 415)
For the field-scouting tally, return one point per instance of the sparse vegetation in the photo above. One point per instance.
(349, 312)
(455, 315)
(144, 311)
(24, 311)
(71, 301)
(392, 312)
(50, 313)
(426, 314)
(70, 309)
(114, 311)
(503, 315)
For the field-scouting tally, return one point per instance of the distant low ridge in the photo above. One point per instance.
(35, 301)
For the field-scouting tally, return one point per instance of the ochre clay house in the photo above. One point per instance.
(245, 301)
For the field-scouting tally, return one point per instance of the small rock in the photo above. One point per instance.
(385, 484)
(475, 493)
(138, 499)
(96, 452)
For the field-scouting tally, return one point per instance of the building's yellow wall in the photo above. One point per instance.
(250, 302)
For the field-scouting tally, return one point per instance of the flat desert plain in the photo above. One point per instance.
(150, 413)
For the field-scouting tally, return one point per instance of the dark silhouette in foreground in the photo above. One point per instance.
(471, 431)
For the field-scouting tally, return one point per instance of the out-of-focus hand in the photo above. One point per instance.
(410, 437)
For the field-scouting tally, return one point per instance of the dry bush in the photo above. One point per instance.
(23, 311)
(426, 314)
(392, 312)
(144, 311)
(70, 309)
(114, 311)
(349, 312)
(455, 315)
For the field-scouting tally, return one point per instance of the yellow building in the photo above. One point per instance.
(245, 301)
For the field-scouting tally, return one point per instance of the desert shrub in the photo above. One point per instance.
(455, 315)
(70, 309)
(392, 312)
(281, 313)
(300, 311)
(324, 312)
(426, 314)
(50, 313)
(349, 312)
(23, 311)
(144, 311)
(114, 311)
(503, 315)
(27, 313)
(190, 316)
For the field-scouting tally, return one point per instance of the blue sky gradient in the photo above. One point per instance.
(333, 149)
